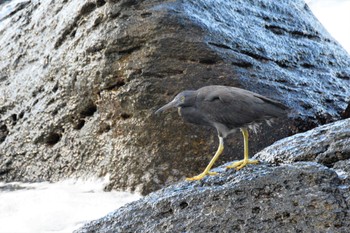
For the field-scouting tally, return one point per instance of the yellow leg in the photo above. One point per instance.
(242, 163)
(211, 163)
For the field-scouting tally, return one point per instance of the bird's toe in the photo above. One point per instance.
(242, 163)
(235, 164)
(201, 176)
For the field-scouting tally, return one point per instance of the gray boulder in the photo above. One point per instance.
(79, 81)
(304, 197)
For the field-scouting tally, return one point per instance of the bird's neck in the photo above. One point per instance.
(190, 99)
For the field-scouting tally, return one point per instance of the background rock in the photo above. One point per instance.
(79, 81)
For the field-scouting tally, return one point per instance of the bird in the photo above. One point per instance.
(227, 109)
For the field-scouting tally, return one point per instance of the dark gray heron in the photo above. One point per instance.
(226, 109)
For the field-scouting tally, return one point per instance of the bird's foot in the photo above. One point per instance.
(201, 176)
(242, 163)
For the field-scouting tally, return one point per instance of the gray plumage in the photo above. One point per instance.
(226, 108)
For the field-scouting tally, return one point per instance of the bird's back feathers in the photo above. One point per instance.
(235, 107)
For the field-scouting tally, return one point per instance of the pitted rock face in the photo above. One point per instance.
(327, 144)
(288, 198)
(79, 82)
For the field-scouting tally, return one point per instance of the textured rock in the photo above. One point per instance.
(303, 197)
(79, 81)
(326, 144)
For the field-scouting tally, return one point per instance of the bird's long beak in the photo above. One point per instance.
(167, 106)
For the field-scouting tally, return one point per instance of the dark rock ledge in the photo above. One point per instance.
(279, 195)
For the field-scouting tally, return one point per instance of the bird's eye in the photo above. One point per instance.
(182, 99)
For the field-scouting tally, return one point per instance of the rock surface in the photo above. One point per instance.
(79, 81)
(304, 197)
(326, 144)
(279, 196)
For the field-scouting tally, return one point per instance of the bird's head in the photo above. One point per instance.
(182, 99)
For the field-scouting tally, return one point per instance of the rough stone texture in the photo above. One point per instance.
(303, 197)
(79, 81)
(326, 144)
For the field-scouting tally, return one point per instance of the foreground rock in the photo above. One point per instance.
(270, 197)
(303, 197)
(79, 81)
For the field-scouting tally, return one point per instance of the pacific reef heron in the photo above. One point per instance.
(227, 109)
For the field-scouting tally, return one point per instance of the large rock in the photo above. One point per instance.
(304, 197)
(79, 81)
(282, 196)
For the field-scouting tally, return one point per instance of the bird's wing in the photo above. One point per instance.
(236, 107)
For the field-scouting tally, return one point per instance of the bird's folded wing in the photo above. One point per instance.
(239, 107)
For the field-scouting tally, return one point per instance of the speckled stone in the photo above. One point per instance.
(299, 197)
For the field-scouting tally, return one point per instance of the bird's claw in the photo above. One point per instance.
(201, 176)
(242, 163)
